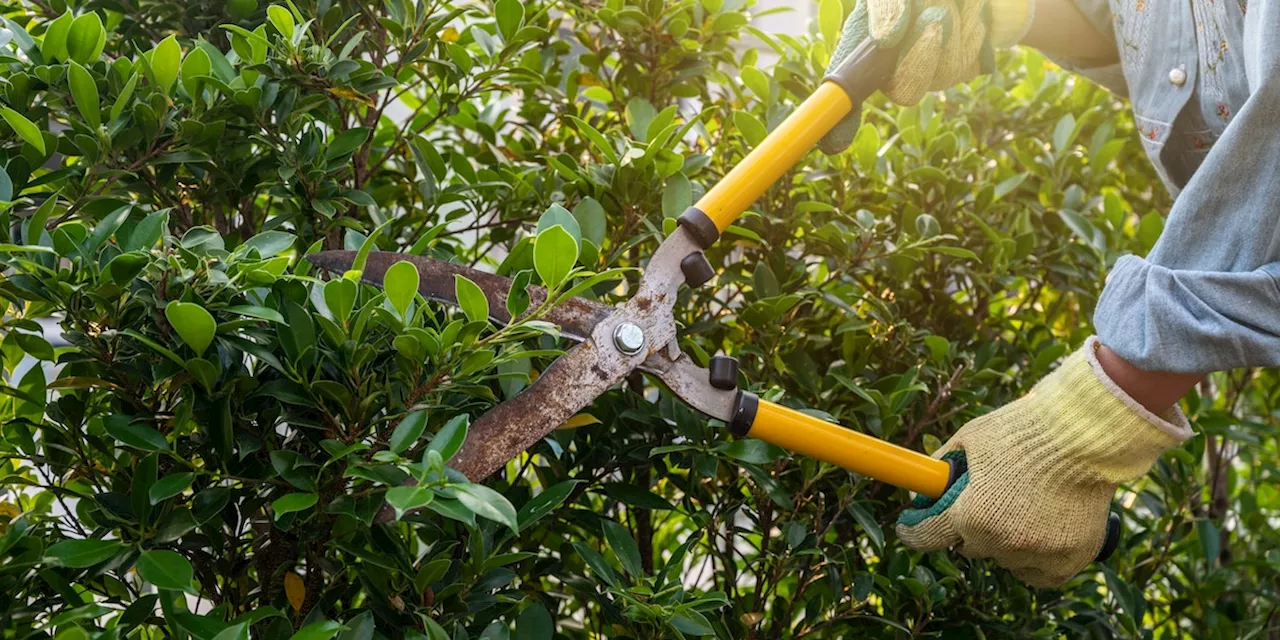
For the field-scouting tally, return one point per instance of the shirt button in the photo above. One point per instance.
(1178, 77)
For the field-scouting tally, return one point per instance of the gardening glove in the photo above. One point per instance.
(943, 43)
(1042, 473)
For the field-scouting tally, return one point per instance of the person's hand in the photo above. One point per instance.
(1041, 474)
(941, 43)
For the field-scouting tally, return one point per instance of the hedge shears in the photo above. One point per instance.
(640, 333)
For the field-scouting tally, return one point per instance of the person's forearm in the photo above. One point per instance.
(1157, 391)
(1058, 28)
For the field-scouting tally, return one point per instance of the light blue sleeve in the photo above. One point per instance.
(1207, 298)
(1109, 75)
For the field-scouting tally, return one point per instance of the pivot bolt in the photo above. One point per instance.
(629, 338)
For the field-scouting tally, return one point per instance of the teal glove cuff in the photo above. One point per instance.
(924, 507)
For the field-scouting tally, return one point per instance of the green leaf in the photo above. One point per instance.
(86, 38)
(24, 128)
(751, 127)
(146, 233)
(54, 46)
(592, 222)
(449, 439)
(366, 247)
(510, 17)
(194, 325)
(544, 503)
(122, 100)
(640, 113)
(938, 347)
(471, 298)
(408, 431)
(165, 569)
(401, 284)
(676, 196)
(166, 59)
(261, 313)
(1210, 540)
(868, 524)
(866, 146)
(597, 139)
(239, 631)
(340, 297)
(323, 630)
(156, 346)
(487, 503)
(751, 450)
(169, 486)
(405, 499)
(136, 435)
(624, 547)
(690, 621)
(830, 17)
(79, 554)
(346, 143)
(534, 623)
(558, 215)
(106, 228)
(85, 93)
(764, 281)
(554, 253)
(282, 20)
(289, 503)
(34, 346)
(195, 68)
(597, 563)
(757, 82)
(1149, 229)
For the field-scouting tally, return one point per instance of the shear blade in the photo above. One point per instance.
(576, 317)
(567, 386)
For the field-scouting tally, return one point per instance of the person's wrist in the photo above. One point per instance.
(1010, 21)
(1156, 391)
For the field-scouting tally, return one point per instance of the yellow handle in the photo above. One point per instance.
(847, 449)
(780, 151)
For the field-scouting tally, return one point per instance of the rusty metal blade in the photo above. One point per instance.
(571, 383)
(575, 316)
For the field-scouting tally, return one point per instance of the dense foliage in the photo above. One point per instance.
(207, 454)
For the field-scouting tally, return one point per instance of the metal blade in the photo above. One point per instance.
(566, 387)
(576, 317)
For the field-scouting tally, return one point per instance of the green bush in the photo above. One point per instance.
(208, 453)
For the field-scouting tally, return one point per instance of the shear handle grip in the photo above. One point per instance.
(861, 453)
(861, 74)
(845, 448)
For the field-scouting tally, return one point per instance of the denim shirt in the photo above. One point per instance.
(1203, 77)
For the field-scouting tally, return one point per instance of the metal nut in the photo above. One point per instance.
(629, 338)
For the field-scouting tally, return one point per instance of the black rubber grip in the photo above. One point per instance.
(865, 71)
(699, 224)
(1112, 541)
(744, 413)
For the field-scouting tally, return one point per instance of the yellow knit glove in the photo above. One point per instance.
(942, 43)
(1042, 472)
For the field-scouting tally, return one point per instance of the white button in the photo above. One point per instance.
(1178, 77)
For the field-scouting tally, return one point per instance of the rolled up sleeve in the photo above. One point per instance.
(1207, 297)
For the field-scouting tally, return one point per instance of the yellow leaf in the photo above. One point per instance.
(450, 35)
(580, 420)
(351, 94)
(295, 590)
